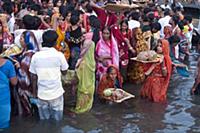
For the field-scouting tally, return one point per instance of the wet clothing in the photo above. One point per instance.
(86, 75)
(108, 49)
(156, 85)
(51, 108)
(106, 82)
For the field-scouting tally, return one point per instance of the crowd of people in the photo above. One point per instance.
(48, 44)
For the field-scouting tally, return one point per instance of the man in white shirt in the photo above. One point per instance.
(46, 67)
(164, 22)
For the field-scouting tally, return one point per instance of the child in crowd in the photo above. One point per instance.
(112, 79)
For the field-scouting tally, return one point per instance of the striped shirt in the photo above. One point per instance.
(47, 65)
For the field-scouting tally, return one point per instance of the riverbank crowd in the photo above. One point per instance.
(89, 49)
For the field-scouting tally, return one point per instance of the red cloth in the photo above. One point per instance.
(156, 85)
(86, 24)
(107, 82)
(122, 46)
(103, 16)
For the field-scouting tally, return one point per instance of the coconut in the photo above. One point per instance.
(107, 92)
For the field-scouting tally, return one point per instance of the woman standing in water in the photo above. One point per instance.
(106, 52)
(135, 69)
(7, 76)
(112, 79)
(85, 69)
(158, 75)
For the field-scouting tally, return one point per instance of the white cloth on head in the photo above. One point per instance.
(38, 35)
(163, 22)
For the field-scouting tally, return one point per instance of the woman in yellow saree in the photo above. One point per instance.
(61, 45)
(85, 69)
(60, 24)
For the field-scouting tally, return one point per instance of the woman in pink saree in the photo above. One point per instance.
(106, 52)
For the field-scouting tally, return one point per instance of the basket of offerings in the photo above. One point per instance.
(148, 57)
(116, 95)
(13, 50)
(119, 7)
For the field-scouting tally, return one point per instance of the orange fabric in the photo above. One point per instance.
(61, 38)
(107, 82)
(156, 85)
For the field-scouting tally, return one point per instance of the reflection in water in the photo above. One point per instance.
(69, 129)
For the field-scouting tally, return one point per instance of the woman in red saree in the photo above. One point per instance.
(123, 36)
(156, 84)
(111, 79)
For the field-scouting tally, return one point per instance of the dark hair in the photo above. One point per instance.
(77, 12)
(124, 21)
(145, 18)
(126, 13)
(70, 7)
(135, 16)
(56, 1)
(1, 48)
(147, 10)
(108, 28)
(44, 1)
(146, 28)
(63, 11)
(185, 22)
(49, 38)
(35, 7)
(188, 18)
(31, 22)
(151, 17)
(166, 12)
(110, 2)
(175, 19)
(174, 39)
(89, 8)
(95, 23)
(178, 9)
(8, 7)
(181, 25)
(74, 19)
(110, 69)
(38, 22)
(156, 26)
